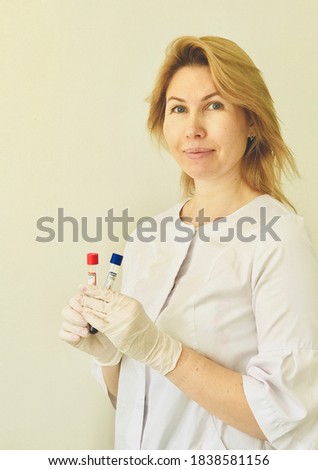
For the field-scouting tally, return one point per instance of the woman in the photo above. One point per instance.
(212, 342)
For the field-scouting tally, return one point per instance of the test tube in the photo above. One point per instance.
(92, 263)
(115, 262)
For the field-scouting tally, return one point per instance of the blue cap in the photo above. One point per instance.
(116, 259)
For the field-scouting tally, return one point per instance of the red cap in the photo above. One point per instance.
(92, 258)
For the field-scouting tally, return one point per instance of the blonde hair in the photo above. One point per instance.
(239, 81)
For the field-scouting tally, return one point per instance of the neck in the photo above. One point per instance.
(218, 200)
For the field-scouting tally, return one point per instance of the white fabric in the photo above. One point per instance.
(249, 305)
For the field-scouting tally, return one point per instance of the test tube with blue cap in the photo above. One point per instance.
(115, 262)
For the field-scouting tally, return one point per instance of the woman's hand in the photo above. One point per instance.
(75, 331)
(123, 320)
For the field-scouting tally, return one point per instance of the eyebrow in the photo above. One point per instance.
(203, 99)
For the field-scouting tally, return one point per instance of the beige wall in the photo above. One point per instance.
(74, 75)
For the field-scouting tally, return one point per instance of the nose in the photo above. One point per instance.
(195, 128)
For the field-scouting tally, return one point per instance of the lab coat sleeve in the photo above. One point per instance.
(281, 381)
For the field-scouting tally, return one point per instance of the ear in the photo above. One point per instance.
(251, 130)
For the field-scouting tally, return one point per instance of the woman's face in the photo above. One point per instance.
(205, 133)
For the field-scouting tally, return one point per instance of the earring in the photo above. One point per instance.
(251, 138)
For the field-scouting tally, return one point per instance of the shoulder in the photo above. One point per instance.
(271, 205)
(288, 226)
(283, 238)
(274, 221)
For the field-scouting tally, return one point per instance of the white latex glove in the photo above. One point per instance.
(75, 331)
(124, 321)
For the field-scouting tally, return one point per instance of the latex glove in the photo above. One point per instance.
(123, 320)
(75, 331)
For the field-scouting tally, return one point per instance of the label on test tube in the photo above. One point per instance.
(91, 279)
(115, 262)
(111, 276)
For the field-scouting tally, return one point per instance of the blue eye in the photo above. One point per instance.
(178, 109)
(216, 105)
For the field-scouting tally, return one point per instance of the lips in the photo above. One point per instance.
(198, 152)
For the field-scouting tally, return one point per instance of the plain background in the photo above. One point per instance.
(74, 78)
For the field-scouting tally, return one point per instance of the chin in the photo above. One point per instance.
(201, 175)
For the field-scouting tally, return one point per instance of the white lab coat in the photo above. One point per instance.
(250, 304)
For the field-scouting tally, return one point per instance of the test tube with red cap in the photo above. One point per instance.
(92, 263)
